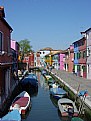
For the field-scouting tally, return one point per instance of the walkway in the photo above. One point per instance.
(73, 82)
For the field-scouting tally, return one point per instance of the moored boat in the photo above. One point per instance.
(43, 72)
(29, 82)
(67, 107)
(53, 85)
(22, 103)
(14, 115)
(51, 81)
(48, 77)
(32, 75)
(76, 119)
(58, 92)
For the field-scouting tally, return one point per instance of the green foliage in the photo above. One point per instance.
(25, 48)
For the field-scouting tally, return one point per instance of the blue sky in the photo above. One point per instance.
(48, 23)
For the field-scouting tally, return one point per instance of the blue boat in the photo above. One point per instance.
(58, 92)
(12, 116)
(83, 93)
(32, 75)
(29, 81)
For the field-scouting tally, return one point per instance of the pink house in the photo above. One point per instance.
(61, 61)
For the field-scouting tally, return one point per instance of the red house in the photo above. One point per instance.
(5, 58)
(82, 57)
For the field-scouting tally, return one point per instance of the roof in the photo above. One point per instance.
(47, 48)
(86, 31)
(83, 38)
(2, 15)
(54, 52)
(5, 22)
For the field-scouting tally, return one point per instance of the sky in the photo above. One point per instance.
(48, 23)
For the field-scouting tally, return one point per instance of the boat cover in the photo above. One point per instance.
(13, 115)
(58, 90)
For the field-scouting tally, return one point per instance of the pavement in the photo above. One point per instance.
(74, 82)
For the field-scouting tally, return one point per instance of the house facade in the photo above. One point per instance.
(29, 60)
(68, 59)
(61, 61)
(87, 35)
(37, 59)
(80, 57)
(5, 58)
(15, 54)
(43, 52)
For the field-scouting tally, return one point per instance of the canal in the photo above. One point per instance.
(43, 108)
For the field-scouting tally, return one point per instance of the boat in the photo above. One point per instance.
(76, 119)
(83, 93)
(58, 93)
(51, 81)
(67, 107)
(43, 72)
(29, 82)
(53, 85)
(48, 77)
(22, 103)
(13, 115)
(32, 75)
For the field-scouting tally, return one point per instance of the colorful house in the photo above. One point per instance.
(87, 53)
(68, 59)
(43, 52)
(56, 59)
(5, 59)
(15, 54)
(37, 59)
(61, 62)
(80, 57)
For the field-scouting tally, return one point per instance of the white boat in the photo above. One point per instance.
(67, 107)
(54, 85)
(22, 103)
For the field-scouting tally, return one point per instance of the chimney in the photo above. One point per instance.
(2, 14)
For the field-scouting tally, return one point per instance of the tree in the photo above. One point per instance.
(25, 47)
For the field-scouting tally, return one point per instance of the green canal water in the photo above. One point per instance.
(44, 108)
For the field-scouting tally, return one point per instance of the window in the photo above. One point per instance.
(8, 40)
(1, 41)
(84, 54)
(84, 68)
(78, 68)
(77, 55)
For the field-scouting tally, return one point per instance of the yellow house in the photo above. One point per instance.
(49, 57)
